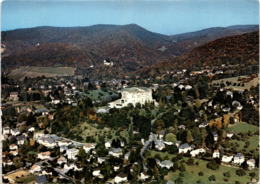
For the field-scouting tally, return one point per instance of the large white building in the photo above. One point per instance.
(133, 96)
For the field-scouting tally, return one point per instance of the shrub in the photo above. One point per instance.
(240, 172)
(212, 178)
(200, 173)
(212, 165)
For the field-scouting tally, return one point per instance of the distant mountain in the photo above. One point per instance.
(241, 50)
(130, 47)
(187, 41)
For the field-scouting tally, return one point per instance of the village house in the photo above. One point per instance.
(15, 132)
(14, 152)
(116, 168)
(239, 158)
(6, 131)
(7, 162)
(230, 134)
(45, 172)
(47, 141)
(184, 148)
(108, 144)
(31, 129)
(21, 139)
(13, 147)
(72, 153)
(251, 163)
(44, 155)
(101, 160)
(63, 142)
(165, 164)
(61, 160)
(35, 168)
(159, 144)
(196, 152)
(120, 178)
(116, 152)
(216, 154)
(14, 96)
(96, 172)
(143, 176)
(226, 159)
(89, 146)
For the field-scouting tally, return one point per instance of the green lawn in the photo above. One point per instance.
(96, 95)
(191, 174)
(87, 129)
(253, 144)
(242, 128)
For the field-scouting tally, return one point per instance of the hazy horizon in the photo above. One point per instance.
(165, 17)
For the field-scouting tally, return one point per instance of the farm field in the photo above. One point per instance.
(21, 177)
(247, 85)
(33, 72)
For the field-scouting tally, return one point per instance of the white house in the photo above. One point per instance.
(166, 164)
(116, 152)
(133, 96)
(13, 147)
(226, 158)
(63, 142)
(120, 178)
(116, 168)
(47, 141)
(251, 163)
(143, 176)
(101, 160)
(239, 158)
(196, 152)
(216, 154)
(188, 87)
(230, 134)
(6, 130)
(14, 153)
(44, 155)
(96, 172)
(72, 153)
(21, 139)
(108, 144)
(215, 135)
(184, 148)
(61, 160)
(89, 146)
(35, 168)
(159, 144)
(15, 132)
(31, 129)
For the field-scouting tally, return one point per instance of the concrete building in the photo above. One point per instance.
(133, 96)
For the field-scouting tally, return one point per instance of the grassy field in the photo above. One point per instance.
(191, 174)
(252, 146)
(33, 71)
(248, 85)
(87, 130)
(97, 94)
(21, 177)
(242, 127)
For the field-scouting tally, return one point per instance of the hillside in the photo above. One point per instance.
(241, 50)
(130, 47)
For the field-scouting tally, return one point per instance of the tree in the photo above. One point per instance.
(240, 172)
(189, 137)
(212, 178)
(212, 165)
